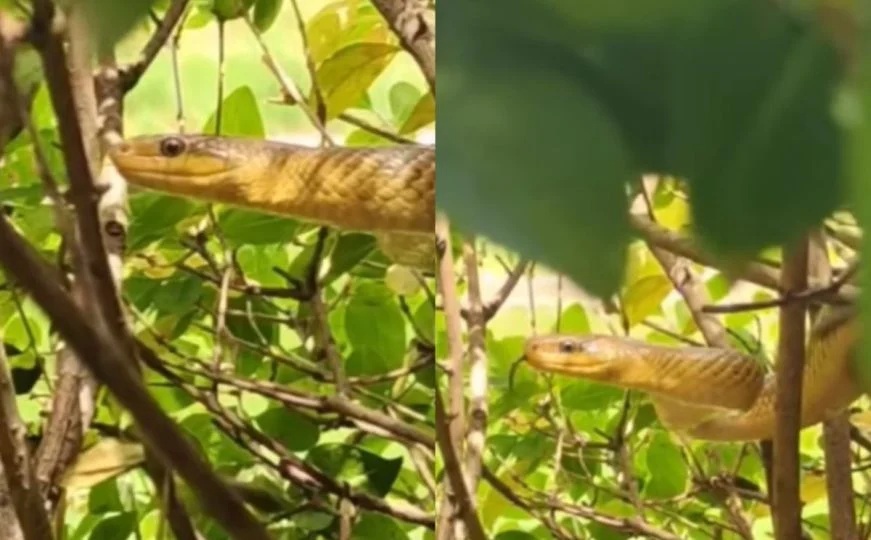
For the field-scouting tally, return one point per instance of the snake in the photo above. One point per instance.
(386, 191)
(711, 393)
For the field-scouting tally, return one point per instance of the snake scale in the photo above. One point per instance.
(710, 393)
(386, 191)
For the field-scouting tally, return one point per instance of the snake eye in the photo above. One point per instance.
(567, 346)
(172, 146)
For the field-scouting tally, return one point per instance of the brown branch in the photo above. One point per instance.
(626, 525)
(16, 464)
(108, 360)
(836, 430)
(477, 432)
(465, 504)
(789, 373)
(453, 420)
(491, 308)
(828, 292)
(754, 272)
(408, 20)
(131, 74)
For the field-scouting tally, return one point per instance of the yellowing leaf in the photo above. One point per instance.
(400, 279)
(422, 115)
(342, 23)
(644, 297)
(346, 76)
(862, 420)
(107, 458)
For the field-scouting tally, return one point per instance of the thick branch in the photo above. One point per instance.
(408, 19)
(477, 434)
(836, 430)
(16, 465)
(754, 272)
(110, 363)
(789, 373)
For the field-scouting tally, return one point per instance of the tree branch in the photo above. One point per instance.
(131, 74)
(408, 20)
(789, 372)
(836, 430)
(108, 360)
(16, 464)
(754, 272)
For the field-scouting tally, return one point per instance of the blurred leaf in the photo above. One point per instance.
(106, 459)
(574, 320)
(346, 76)
(231, 9)
(746, 132)
(240, 115)
(295, 431)
(117, 526)
(377, 527)
(569, 153)
(514, 535)
(111, 20)
(265, 13)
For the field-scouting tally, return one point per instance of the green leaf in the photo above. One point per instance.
(547, 161)
(181, 291)
(574, 320)
(375, 325)
(422, 115)
(117, 526)
(751, 123)
(295, 431)
(403, 98)
(240, 115)
(644, 297)
(666, 467)
(514, 535)
(377, 527)
(104, 498)
(154, 216)
(350, 250)
(259, 264)
(586, 396)
(346, 76)
(230, 9)
(265, 13)
(256, 228)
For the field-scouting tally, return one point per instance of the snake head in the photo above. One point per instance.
(591, 357)
(181, 163)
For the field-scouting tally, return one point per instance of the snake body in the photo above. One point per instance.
(710, 393)
(386, 191)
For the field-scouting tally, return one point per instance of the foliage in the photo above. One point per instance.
(752, 120)
(178, 252)
(743, 115)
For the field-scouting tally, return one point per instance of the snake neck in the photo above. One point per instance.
(385, 189)
(829, 385)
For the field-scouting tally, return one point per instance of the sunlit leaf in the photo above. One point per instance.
(347, 75)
